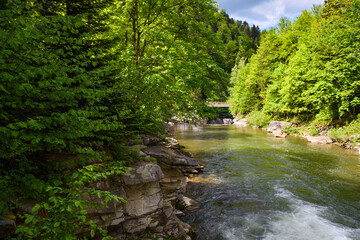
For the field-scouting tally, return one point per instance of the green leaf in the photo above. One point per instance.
(77, 203)
(29, 219)
(36, 208)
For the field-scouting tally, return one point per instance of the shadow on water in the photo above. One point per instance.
(259, 187)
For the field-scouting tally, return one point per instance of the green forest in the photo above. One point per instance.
(79, 77)
(306, 70)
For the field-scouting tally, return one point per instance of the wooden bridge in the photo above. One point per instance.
(218, 104)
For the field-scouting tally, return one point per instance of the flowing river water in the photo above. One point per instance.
(255, 186)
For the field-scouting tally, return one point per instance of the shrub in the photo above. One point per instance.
(320, 125)
(350, 132)
(313, 129)
(291, 130)
(258, 118)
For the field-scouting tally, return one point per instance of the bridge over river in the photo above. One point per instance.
(218, 104)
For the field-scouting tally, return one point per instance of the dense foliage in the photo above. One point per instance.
(306, 70)
(239, 39)
(78, 77)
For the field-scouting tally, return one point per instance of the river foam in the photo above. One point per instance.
(305, 221)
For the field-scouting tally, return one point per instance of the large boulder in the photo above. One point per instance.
(278, 125)
(154, 192)
(143, 172)
(228, 121)
(276, 128)
(140, 188)
(240, 122)
(187, 205)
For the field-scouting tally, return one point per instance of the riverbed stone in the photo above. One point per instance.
(357, 147)
(277, 125)
(227, 121)
(187, 205)
(172, 143)
(320, 139)
(276, 128)
(216, 121)
(184, 161)
(240, 122)
(279, 133)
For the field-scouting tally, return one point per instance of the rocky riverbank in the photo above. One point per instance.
(154, 193)
(280, 129)
(154, 190)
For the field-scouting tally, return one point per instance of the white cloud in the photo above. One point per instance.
(266, 13)
(271, 10)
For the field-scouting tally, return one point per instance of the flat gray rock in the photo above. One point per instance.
(321, 139)
(143, 172)
(167, 156)
(277, 125)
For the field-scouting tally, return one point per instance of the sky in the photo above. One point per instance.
(265, 13)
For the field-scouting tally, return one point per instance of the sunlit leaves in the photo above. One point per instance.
(164, 55)
(307, 69)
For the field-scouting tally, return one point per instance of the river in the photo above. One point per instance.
(256, 186)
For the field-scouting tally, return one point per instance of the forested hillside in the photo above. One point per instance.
(238, 39)
(78, 77)
(306, 70)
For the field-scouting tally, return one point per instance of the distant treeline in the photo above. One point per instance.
(238, 38)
